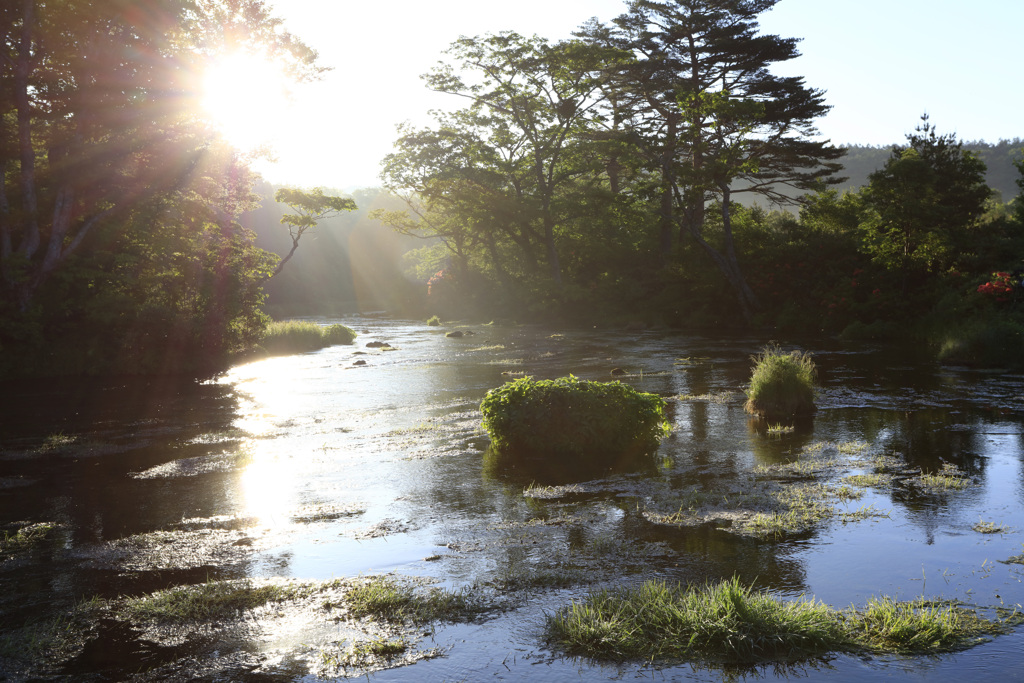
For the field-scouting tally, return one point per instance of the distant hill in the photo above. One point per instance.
(861, 160)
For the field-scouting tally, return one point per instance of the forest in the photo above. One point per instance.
(650, 171)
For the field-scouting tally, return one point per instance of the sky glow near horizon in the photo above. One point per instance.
(882, 64)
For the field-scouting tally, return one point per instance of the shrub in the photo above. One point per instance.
(992, 341)
(296, 336)
(782, 384)
(572, 417)
(433, 321)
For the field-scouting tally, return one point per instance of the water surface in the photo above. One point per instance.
(340, 470)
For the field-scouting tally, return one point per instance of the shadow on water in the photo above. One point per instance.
(524, 469)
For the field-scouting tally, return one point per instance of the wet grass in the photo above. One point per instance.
(211, 600)
(948, 478)
(386, 598)
(730, 622)
(983, 527)
(920, 627)
(24, 538)
(720, 397)
(779, 429)
(538, 579)
(725, 621)
(363, 657)
(868, 480)
(1015, 559)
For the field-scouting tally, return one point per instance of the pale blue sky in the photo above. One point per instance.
(882, 64)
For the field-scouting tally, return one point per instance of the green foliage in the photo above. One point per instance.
(928, 196)
(297, 336)
(433, 321)
(781, 384)
(572, 418)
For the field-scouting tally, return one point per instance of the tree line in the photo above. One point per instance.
(601, 177)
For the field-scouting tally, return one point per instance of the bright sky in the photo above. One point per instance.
(882, 64)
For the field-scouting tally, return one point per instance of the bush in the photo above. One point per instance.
(568, 417)
(782, 384)
(985, 342)
(433, 321)
(297, 336)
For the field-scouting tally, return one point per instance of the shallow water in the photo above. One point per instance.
(312, 467)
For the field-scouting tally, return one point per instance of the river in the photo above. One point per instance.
(355, 461)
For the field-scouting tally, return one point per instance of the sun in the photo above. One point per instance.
(246, 97)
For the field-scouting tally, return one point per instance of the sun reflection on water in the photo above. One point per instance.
(267, 401)
(266, 488)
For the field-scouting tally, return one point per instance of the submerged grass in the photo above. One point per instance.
(983, 527)
(386, 598)
(25, 537)
(297, 336)
(730, 622)
(211, 600)
(949, 478)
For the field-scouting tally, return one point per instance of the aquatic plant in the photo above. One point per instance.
(387, 598)
(210, 600)
(781, 384)
(983, 527)
(569, 417)
(717, 621)
(727, 621)
(297, 336)
(919, 626)
(25, 538)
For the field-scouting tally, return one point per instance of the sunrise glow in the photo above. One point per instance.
(246, 97)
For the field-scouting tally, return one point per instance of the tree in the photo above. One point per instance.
(310, 208)
(119, 245)
(528, 101)
(715, 118)
(928, 196)
(99, 116)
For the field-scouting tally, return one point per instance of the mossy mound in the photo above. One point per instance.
(782, 384)
(597, 422)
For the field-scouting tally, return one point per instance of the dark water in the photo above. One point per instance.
(340, 470)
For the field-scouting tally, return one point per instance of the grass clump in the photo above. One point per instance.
(919, 627)
(211, 600)
(297, 336)
(433, 321)
(722, 621)
(383, 597)
(599, 421)
(730, 622)
(782, 384)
